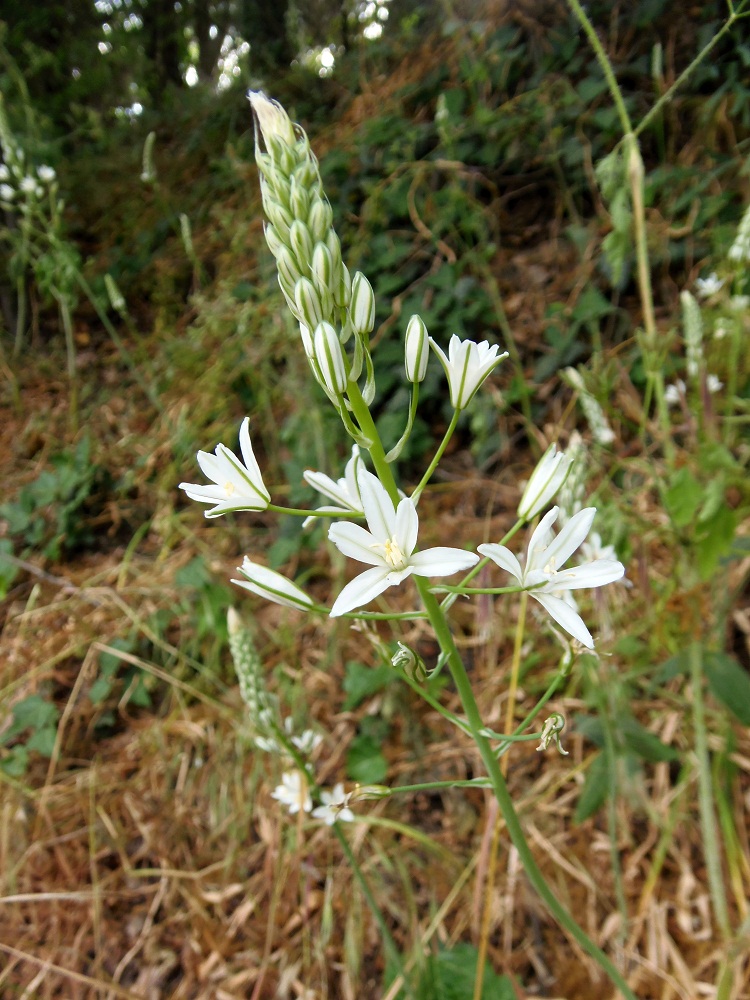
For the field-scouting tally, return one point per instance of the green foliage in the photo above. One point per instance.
(365, 762)
(450, 974)
(52, 514)
(35, 719)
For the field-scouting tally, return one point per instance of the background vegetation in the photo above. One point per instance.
(466, 151)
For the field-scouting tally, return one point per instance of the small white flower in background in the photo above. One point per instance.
(236, 486)
(551, 730)
(545, 481)
(306, 742)
(344, 492)
(739, 303)
(720, 330)
(467, 365)
(706, 287)
(594, 548)
(335, 806)
(28, 185)
(7, 193)
(713, 383)
(45, 173)
(543, 576)
(674, 393)
(740, 249)
(293, 793)
(4, 172)
(273, 586)
(388, 547)
(600, 429)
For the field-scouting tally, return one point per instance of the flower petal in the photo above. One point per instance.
(357, 543)
(565, 616)
(442, 561)
(591, 574)
(327, 486)
(504, 558)
(536, 556)
(377, 505)
(407, 526)
(571, 536)
(362, 589)
(272, 585)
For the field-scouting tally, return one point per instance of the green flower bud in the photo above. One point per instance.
(272, 239)
(417, 349)
(343, 289)
(319, 221)
(322, 267)
(301, 242)
(288, 269)
(308, 307)
(362, 305)
(299, 200)
(330, 359)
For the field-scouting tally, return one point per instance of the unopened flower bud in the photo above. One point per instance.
(343, 290)
(273, 121)
(288, 269)
(330, 359)
(322, 267)
(308, 303)
(362, 306)
(307, 341)
(417, 349)
(115, 295)
(319, 220)
(362, 793)
(272, 239)
(299, 200)
(301, 242)
(546, 479)
(279, 216)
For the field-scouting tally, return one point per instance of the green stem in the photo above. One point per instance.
(390, 945)
(438, 455)
(669, 94)
(20, 314)
(70, 350)
(705, 796)
(505, 802)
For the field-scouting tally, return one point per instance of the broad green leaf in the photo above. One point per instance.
(729, 684)
(362, 682)
(364, 761)
(594, 791)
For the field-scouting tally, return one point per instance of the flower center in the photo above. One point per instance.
(551, 568)
(229, 488)
(393, 554)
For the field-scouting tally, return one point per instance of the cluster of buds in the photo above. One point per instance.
(329, 305)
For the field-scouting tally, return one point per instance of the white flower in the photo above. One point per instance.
(236, 486)
(713, 383)
(305, 743)
(468, 364)
(45, 173)
(543, 576)
(706, 287)
(388, 547)
(6, 192)
(4, 172)
(344, 492)
(293, 793)
(546, 479)
(739, 302)
(674, 393)
(28, 185)
(272, 585)
(335, 806)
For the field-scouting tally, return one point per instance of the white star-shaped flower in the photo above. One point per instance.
(335, 806)
(344, 492)
(543, 575)
(293, 793)
(388, 547)
(467, 365)
(235, 486)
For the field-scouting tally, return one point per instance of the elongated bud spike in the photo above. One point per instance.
(330, 359)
